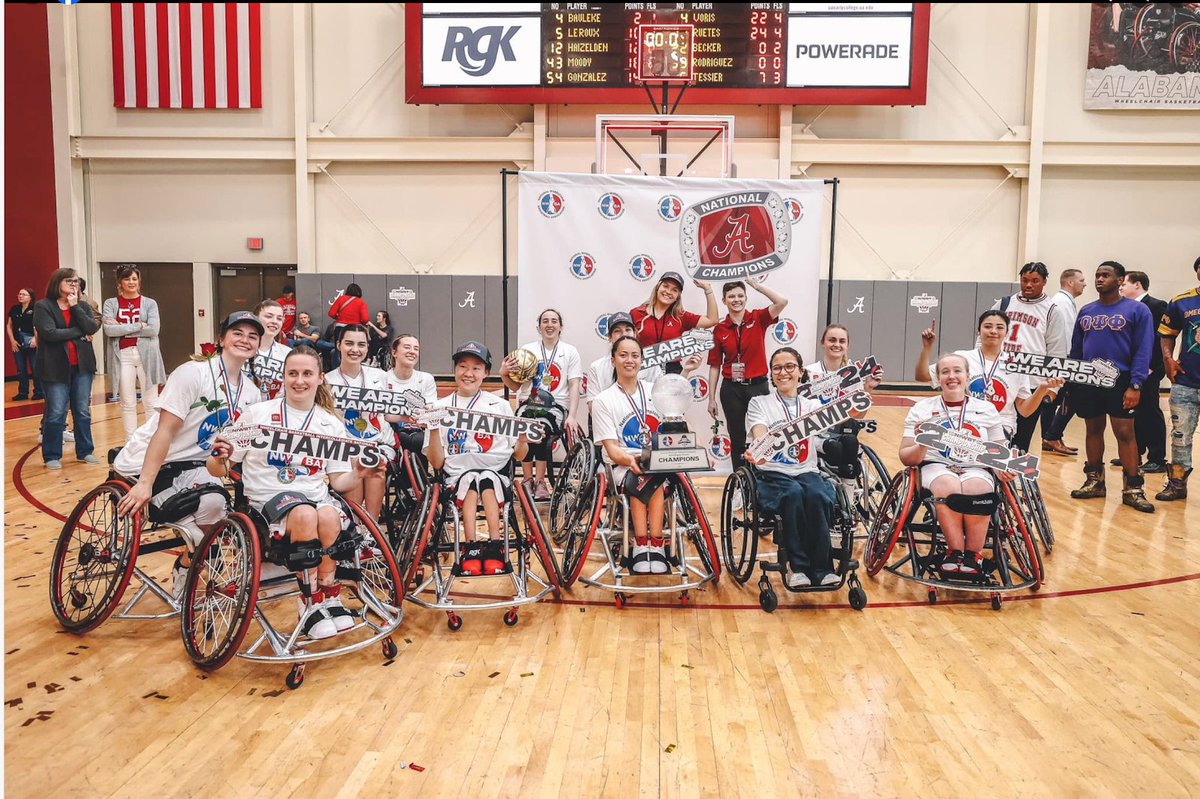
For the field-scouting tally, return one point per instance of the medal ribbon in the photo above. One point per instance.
(643, 428)
(988, 374)
(547, 362)
(287, 459)
(962, 414)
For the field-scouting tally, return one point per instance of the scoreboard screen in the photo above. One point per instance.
(747, 53)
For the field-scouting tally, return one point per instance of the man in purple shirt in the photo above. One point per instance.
(1119, 330)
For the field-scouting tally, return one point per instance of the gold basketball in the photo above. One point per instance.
(526, 368)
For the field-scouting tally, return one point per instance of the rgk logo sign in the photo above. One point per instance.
(475, 49)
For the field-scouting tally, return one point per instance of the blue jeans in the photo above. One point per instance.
(805, 506)
(78, 394)
(25, 358)
(1185, 409)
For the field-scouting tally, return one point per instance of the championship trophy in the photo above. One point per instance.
(673, 447)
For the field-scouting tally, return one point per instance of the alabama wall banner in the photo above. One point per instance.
(1143, 55)
(591, 245)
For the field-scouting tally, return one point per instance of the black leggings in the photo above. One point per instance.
(841, 451)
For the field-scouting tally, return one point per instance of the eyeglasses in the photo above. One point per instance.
(785, 368)
(71, 280)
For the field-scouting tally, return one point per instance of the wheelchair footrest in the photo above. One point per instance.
(482, 559)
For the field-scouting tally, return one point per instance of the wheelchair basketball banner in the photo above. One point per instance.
(591, 245)
(1143, 55)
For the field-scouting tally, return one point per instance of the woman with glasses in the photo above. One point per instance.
(65, 363)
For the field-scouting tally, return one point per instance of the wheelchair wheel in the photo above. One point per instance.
(582, 531)
(537, 534)
(427, 517)
(1029, 497)
(93, 559)
(379, 572)
(1183, 48)
(221, 592)
(739, 525)
(1013, 536)
(699, 531)
(873, 481)
(890, 519)
(577, 474)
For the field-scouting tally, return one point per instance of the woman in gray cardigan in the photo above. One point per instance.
(131, 323)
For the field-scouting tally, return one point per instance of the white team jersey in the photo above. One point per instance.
(557, 367)
(1036, 326)
(421, 382)
(600, 376)
(275, 352)
(1002, 390)
(366, 426)
(473, 451)
(1065, 301)
(196, 392)
(615, 417)
(265, 474)
(980, 420)
(771, 410)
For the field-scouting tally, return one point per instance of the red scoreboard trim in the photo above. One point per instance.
(416, 94)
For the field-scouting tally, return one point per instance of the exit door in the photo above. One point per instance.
(240, 287)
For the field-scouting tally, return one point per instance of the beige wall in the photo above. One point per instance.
(432, 200)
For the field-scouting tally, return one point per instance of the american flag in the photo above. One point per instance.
(187, 55)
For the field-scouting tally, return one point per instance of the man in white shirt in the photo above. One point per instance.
(1054, 419)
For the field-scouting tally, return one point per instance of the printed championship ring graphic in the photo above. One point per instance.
(551, 204)
(641, 267)
(784, 332)
(583, 265)
(610, 205)
(731, 236)
(670, 208)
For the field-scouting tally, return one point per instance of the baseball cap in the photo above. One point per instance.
(242, 318)
(476, 349)
(620, 318)
(674, 277)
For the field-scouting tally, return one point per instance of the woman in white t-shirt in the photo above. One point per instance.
(1008, 391)
(292, 491)
(789, 484)
(353, 346)
(838, 446)
(270, 313)
(404, 376)
(623, 419)
(166, 455)
(473, 464)
(560, 373)
(955, 409)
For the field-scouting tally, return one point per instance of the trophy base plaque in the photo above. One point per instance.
(675, 451)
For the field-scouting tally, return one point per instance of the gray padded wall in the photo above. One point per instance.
(436, 333)
(308, 297)
(467, 309)
(406, 317)
(889, 311)
(858, 322)
(374, 289)
(956, 328)
(915, 322)
(493, 316)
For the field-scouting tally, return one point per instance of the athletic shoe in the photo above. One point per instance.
(89, 458)
(658, 560)
(639, 560)
(952, 563)
(178, 578)
(53, 464)
(541, 490)
(1154, 467)
(797, 580)
(343, 618)
(37, 397)
(20, 398)
(315, 621)
(68, 437)
(969, 565)
(830, 579)
(472, 567)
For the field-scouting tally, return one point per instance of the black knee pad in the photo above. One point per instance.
(970, 504)
(303, 555)
(841, 450)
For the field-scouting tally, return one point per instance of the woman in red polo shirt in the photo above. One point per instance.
(662, 318)
(739, 355)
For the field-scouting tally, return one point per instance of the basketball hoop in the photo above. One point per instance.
(641, 145)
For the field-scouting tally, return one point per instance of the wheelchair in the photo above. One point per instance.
(408, 478)
(870, 485)
(436, 544)
(591, 505)
(907, 516)
(540, 404)
(1033, 508)
(742, 525)
(227, 589)
(97, 554)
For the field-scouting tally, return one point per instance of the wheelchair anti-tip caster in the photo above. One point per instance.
(683, 598)
(389, 649)
(295, 677)
(768, 600)
(454, 622)
(933, 596)
(858, 598)
(511, 619)
(621, 601)
(995, 601)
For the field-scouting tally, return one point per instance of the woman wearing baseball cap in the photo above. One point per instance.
(662, 318)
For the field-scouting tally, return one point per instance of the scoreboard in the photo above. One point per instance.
(747, 53)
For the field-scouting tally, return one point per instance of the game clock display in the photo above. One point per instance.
(790, 53)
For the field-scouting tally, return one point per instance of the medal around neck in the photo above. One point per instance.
(673, 448)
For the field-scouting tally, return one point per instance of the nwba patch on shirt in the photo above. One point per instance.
(735, 235)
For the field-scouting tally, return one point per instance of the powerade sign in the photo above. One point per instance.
(849, 51)
(466, 44)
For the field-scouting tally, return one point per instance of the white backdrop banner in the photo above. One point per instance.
(591, 245)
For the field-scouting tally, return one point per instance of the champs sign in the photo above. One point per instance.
(736, 235)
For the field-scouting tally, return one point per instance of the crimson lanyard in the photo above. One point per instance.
(988, 374)
(640, 414)
(962, 414)
(233, 399)
(787, 412)
(738, 331)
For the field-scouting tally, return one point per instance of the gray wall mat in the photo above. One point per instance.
(436, 330)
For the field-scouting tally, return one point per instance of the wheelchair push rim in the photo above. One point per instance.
(221, 592)
(739, 561)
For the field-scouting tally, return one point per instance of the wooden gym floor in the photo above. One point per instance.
(1090, 688)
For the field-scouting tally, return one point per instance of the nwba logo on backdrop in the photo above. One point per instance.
(736, 235)
(463, 50)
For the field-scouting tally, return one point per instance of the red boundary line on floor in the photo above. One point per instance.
(19, 484)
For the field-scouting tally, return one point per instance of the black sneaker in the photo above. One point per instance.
(1154, 467)
(969, 565)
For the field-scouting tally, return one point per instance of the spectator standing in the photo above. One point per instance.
(1182, 320)
(131, 324)
(22, 338)
(1149, 426)
(381, 332)
(288, 303)
(348, 309)
(65, 364)
(1055, 417)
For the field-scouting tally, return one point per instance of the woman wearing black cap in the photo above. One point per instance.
(167, 454)
(662, 318)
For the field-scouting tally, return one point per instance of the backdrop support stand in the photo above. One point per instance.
(832, 241)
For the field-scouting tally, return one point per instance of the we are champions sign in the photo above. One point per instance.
(735, 235)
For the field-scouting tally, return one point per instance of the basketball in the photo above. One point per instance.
(526, 367)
